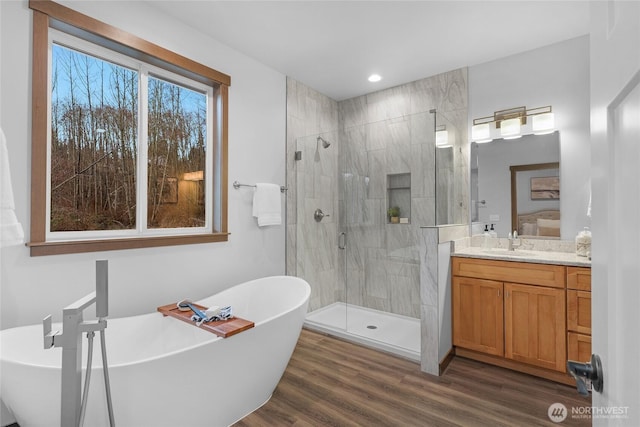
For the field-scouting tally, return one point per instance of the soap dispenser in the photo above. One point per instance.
(486, 237)
(493, 232)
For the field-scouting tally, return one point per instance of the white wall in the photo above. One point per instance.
(142, 279)
(556, 75)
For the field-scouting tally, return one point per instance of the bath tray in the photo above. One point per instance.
(222, 328)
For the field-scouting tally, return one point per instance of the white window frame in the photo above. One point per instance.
(144, 71)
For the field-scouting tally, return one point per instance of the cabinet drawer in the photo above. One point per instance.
(578, 347)
(579, 311)
(510, 271)
(579, 278)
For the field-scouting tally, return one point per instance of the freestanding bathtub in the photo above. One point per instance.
(165, 372)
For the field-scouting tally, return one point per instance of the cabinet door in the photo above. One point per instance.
(478, 315)
(579, 311)
(535, 325)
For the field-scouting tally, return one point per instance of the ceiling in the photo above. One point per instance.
(333, 46)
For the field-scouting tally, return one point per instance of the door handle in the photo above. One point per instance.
(589, 371)
(342, 240)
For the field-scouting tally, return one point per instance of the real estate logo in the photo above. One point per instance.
(557, 412)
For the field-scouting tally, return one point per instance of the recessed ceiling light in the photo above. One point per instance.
(375, 78)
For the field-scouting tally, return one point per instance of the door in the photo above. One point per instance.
(478, 315)
(535, 325)
(616, 290)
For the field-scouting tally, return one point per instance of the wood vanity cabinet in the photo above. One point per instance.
(579, 314)
(511, 314)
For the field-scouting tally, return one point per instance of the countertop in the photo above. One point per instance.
(536, 257)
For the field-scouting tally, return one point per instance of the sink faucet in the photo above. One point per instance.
(512, 238)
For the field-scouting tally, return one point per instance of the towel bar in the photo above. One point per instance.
(237, 185)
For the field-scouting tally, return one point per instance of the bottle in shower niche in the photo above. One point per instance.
(583, 243)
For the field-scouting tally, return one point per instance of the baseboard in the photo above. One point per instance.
(559, 377)
(444, 363)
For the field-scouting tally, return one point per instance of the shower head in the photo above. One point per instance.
(325, 143)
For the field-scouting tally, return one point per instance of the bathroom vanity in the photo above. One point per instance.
(528, 311)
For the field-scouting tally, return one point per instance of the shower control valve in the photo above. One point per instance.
(318, 215)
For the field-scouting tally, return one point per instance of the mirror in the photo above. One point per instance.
(535, 200)
(491, 190)
(451, 189)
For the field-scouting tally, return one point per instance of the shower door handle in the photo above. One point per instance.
(342, 240)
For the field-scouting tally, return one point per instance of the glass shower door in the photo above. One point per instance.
(318, 259)
(385, 164)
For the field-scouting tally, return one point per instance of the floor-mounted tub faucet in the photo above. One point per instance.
(70, 339)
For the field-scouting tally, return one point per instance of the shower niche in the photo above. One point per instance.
(399, 198)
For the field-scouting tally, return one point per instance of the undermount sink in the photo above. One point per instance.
(505, 252)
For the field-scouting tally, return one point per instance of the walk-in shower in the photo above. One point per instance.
(357, 205)
(362, 264)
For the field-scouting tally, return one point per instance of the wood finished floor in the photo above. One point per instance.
(331, 382)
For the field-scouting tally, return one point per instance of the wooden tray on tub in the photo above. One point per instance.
(222, 328)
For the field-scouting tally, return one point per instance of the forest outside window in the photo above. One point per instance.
(133, 150)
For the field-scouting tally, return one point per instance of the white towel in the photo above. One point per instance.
(266, 204)
(10, 229)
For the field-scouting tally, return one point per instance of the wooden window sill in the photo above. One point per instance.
(82, 246)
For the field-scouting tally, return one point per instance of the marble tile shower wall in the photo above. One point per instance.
(391, 132)
(386, 132)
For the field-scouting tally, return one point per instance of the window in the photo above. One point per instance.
(128, 140)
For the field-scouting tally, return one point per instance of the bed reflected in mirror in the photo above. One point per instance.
(535, 200)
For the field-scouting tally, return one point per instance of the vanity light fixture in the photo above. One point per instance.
(512, 122)
(375, 78)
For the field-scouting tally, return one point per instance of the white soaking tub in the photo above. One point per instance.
(163, 371)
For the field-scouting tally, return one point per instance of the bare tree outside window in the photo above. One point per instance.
(129, 140)
(94, 147)
(93, 143)
(177, 146)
